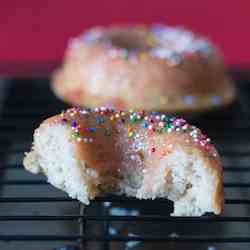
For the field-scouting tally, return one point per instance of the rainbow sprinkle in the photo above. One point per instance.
(153, 122)
(165, 42)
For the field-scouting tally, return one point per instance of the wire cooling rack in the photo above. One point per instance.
(35, 215)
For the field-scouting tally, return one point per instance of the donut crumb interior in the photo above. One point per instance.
(181, 176)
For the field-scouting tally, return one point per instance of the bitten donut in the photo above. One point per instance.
(88, 153)
(152, 68)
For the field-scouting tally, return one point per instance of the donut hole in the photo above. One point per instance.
(130, 41)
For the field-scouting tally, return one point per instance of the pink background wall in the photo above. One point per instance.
(37, 31)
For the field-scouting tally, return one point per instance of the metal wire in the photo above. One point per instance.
(17, 122)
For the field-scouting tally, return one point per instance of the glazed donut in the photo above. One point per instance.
(144, 155)
(152, 68)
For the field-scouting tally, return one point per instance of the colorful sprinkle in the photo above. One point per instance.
(99, 120)
(145, 125)
(153, 122)
(179, 122)
(189, 100)
(172, 44)
(65, 120)
(216, 100)
(161, 124)
(125, 54)
(74, 124)
(92, 130)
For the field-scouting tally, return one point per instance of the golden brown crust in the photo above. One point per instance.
(95, 74)
(101, 136)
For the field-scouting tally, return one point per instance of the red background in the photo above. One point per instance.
(36, 32)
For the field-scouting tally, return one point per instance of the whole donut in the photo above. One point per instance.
(152, 68)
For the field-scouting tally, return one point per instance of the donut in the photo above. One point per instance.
(146, 155)
(152, 68)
